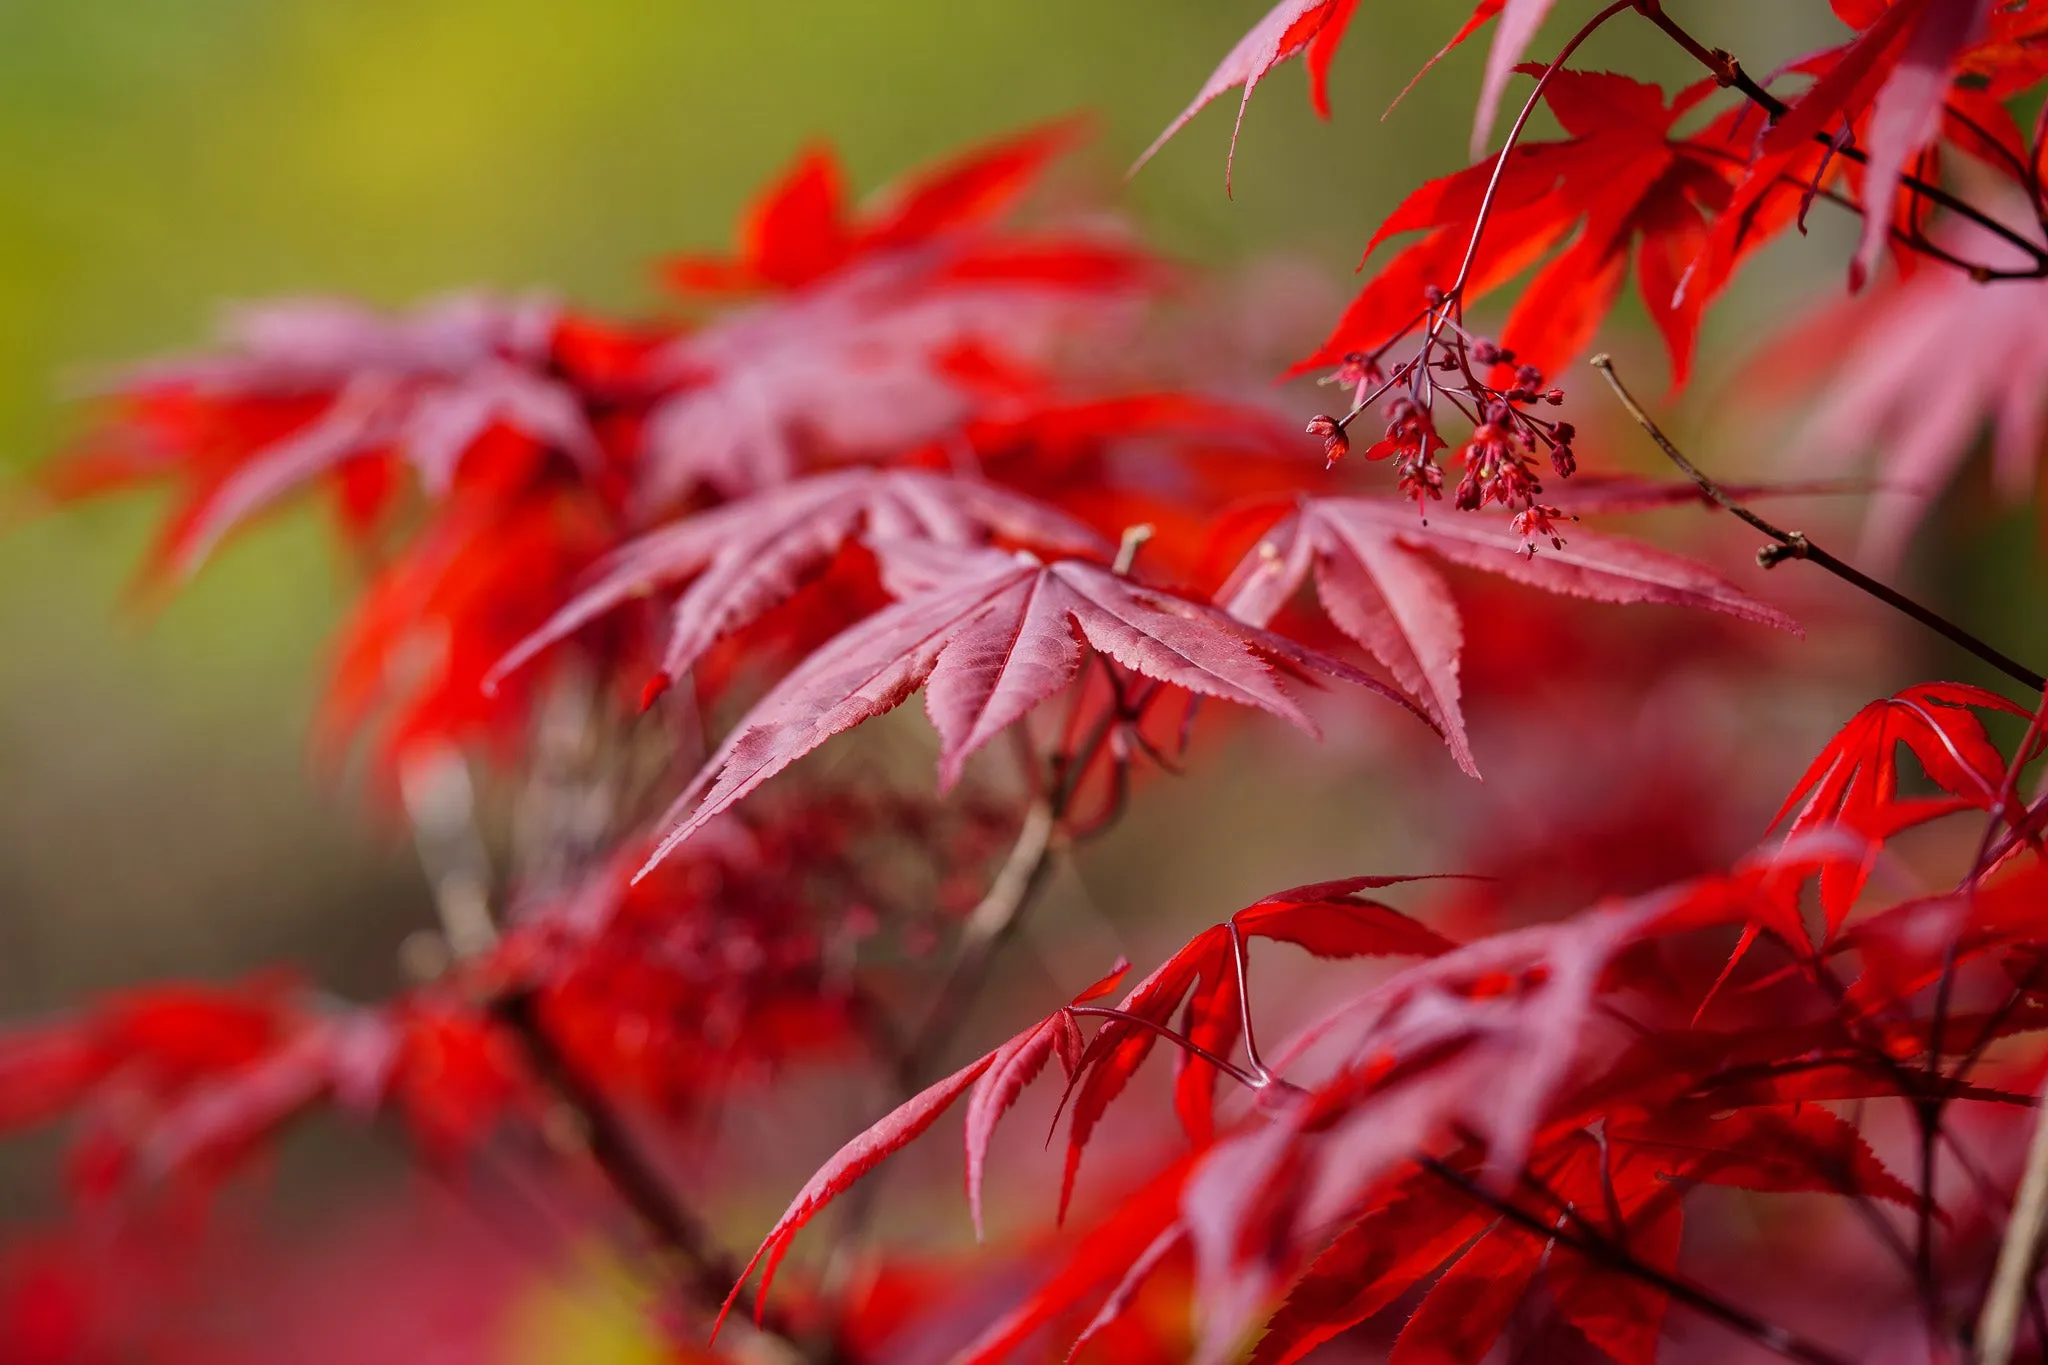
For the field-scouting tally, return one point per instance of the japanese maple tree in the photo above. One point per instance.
(1629, 1074)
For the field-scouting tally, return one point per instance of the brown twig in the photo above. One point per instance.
(1796, 545)
(2018, 1255)
(998, 915)
(700, 1263)
(1729, 73)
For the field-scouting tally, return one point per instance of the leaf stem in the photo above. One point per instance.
(1500, 162)
(1795, 545)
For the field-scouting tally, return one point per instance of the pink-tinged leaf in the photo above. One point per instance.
(1907, 115)
(1119, 1049)
(748, 556)
(1848, 83)
(1011, 1067)
(425, 386)
(1519, 20)
(848, 1164)
(1004, 633)
(1328, 919)
(1365, 555)
(863, 362)
(1288, 28)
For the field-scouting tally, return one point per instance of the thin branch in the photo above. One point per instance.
(1795, 545)
(989, 926)
(1779, 1340)
(1514, 136)
(701, 1263)
(440, 804)
(2018, 1255)
(1729, 73)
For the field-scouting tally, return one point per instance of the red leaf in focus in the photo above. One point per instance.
(747, 556)
(1621, 179)
(1010, 1068)
(1913, 372)
(1366, 557)
(1854, 781)
(1466, 1311)
(1329, 919)
(1370, 1264)
(1793, 1148)
(991, 636)
(1289, 28)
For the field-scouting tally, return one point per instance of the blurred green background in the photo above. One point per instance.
(158, 814)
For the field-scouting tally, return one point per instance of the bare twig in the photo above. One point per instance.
(2018, 1255)
(698, 1260)
(441, 805)
(1795, 545)
(988, 927)
(1729, 73)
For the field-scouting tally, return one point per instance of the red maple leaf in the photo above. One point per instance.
(1289, 28)
(321, 389)
(1366, 557)
(1329, 919)
(1622, 180)
(802, 228)
(990, 636)
(746, 556)
(1854, 780)
(859, 352)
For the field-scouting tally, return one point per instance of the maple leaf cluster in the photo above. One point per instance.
(621, 578)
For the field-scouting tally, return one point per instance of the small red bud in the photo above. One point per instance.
(652, 692)
(1554, 397)
(1336, 442)
(1564, 431)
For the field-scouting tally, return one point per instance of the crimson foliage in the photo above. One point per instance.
(912, 444)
